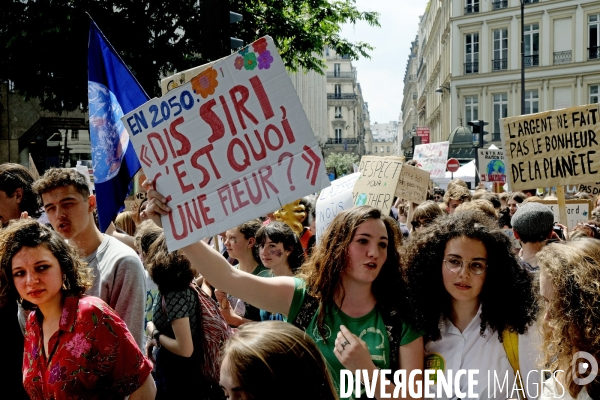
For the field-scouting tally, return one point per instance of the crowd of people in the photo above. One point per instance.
(467, 280)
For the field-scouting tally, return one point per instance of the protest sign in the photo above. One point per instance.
(230, 145)
(377, 182)
(590, 188)
(413, 184)
(423, 132)
(333, 200)
(492, 167)
(432, 158)
(552, 148)
(577, 211)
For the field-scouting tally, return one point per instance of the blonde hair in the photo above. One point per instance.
(479, 204)
(427, 210)
(572, 323)
(124, 221)
(457, 192)
(269, 358)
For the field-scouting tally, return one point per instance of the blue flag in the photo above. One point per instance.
(112, 92)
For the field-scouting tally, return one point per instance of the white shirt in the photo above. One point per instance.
(470, 351)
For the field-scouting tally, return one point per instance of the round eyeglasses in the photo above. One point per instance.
(454, 265)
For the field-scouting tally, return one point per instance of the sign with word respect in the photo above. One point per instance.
(552, 148)
(590, 188)
(376, 185)
(432, 158)
(333, 200)
(577, 211)
(230, 145)
(413, 184)
(492, 166)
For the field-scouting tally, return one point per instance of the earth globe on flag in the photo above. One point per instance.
(496, 167)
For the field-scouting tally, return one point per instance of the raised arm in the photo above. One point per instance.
(270, 294)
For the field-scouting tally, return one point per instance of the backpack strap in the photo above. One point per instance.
(308, 309)
(510, 341)
(393, 326)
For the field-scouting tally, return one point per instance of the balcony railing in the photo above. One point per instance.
(531, 1)
(335, 74)
(500, 64)
(497, 5)
(562, 57)
(593, 53)
(472, 9)
(341, 96)
(472, 67)
(532, 60)
(495, 136)
(338, 116)
(342, 141)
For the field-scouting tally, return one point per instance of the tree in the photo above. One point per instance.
(342, 162)
(45, 52)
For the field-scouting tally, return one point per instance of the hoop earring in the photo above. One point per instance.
(66, 285)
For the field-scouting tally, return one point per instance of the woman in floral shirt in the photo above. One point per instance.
(76, 346)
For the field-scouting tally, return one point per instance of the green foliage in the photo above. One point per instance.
(342, 162)
(45, 42)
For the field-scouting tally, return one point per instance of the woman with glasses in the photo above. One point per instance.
(471, 296)
(424, 215)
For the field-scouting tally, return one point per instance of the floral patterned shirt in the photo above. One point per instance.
(91, 356)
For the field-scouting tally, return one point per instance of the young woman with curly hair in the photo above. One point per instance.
(469, 290)
(569, 282)
(349, 286)
(76, 346)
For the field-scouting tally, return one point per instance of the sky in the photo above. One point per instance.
(382, 77)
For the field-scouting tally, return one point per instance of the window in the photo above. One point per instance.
(388, 149)
(499, 4)
(327, 51)
(338, 135)
(593, 36)
(472, 6)
(593, 94)
(74, 134)
(338, 112)
(532, 45)
(472, 53)
(375, 149)
(500, 111)
(471, 108)
(531, 101)
(336, 69)
(500, 61)
(381, 149)
(338, 90)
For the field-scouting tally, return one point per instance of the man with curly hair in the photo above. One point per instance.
(455, 196)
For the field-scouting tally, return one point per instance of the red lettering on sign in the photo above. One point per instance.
(204, 210)
(289, 134)
(238, 194)
(221, 192)
(182, 139)
(180, 175)
(161, 159)
(206, 175)
(213, 120)
(263, 99)
(265, 179)
(169, 142)
(254, 198)
(239, 104)
(184, 232)
(228, 115)
(263, 151)
(270, 145)
(231, 156)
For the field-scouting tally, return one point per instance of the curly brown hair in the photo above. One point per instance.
(30, 233)
(323, 270)
(572, 321)
(62, 177)
(508, 300)
(15, 176)
(171, 271)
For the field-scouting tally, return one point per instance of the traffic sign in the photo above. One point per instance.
(452, 165)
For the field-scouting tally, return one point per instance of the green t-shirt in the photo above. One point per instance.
(369, 327)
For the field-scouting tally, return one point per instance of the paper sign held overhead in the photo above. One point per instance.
(590, 188)
(333, 200)
(577, 211)
(230, 145)
(413, 184)
(492, 166)
(432, 158)
(553, 148)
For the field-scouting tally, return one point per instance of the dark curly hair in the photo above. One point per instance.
(171, 271)
(62, 177)
(30, 233)
(280, 232)
(15, 176)
(323, 271)
(508, 298)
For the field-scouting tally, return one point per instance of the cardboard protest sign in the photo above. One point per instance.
(552, 148)
(413, 184)
(232, 144)
(577, 211)
(333, 200)
(492, 166)
(590, 188)
(432, 158)
(377, 182)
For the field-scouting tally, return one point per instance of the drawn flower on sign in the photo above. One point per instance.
(260, 45)
(243, 51)
(264, 60)
(250, 61)
(205, 83)
(239, 62)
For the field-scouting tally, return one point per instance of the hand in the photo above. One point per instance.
(135, 213)
(351, 351)
(150, 345)
(221, 298)
(150, 328)
(25, 215)
(157, 203)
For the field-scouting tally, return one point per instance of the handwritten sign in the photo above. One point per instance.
(413, 184)
(231, 144)
(577, 211)
(552, 148)
(333, 200)
(492, 166)
(590, 188)
(432, 158)
(377, 182)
